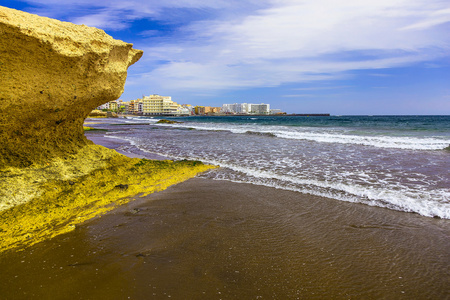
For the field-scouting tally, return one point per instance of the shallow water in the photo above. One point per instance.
(393, 162)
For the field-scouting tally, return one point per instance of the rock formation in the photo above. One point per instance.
(52, 74)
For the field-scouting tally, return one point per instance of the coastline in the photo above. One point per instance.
(45, 200)
(206, 239)
(115, 144)
(212, 239)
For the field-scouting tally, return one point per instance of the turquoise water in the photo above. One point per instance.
(395, 162)
(426, 124)
(405, 132)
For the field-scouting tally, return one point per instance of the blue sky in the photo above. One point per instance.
(302, 56)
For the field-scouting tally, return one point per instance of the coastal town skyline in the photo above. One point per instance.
(357, 57)
(164, 105)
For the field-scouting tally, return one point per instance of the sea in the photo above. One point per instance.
(395, 162)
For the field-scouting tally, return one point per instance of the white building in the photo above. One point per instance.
(162, 105)
(159, 105)
(235, 108)
(259, 109)
(246, 108)
(228, 108)
(103, 106)
(183, 110)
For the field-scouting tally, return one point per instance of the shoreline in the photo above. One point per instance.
(206, 239)
(213, 239)
(231, 115)
(45, 200)
(114, 144)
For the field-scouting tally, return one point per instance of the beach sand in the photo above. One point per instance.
(205, 239)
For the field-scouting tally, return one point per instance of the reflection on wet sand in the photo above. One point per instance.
(205, 239)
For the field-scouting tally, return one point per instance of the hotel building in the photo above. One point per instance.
(246, 108)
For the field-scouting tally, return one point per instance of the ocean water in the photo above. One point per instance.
(395, 162)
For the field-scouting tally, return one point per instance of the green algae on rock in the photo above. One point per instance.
(53, 74)
(70, 191)
(164, 121)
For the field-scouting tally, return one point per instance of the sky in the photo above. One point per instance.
(343, 57)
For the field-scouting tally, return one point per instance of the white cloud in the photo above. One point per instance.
(434, 18)
(299, 41)
(239, 44)
(120, 11)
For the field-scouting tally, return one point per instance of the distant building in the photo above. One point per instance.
(259, 109)
(159, 105)
(131, 107)
(189, 108)
(215, 110)
(199, 110)
(163, 105)
(235, 108)
(206, 110)
(135, 107)
(276, 112)
(227, 108)
(209, 110)
(103, 106)
(183, 111)
(246, 108)
(113, 105)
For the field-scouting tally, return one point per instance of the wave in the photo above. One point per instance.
(411, 143)
(328, 136)
(425, 203)
(135, 120)
(429, 203)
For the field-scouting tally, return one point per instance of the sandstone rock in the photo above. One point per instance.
(52, 75)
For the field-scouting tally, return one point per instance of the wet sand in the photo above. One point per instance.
(111, 143)
(205, 239)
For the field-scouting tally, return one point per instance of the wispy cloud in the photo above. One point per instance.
(321, 88)
(149, 33)
(120, 11)
(231, 44)
(295, 41)
(430, 19)
(299, 96)
(380, 75)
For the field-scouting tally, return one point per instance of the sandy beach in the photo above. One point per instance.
(209, 239)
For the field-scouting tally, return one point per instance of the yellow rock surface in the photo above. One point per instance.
(70, 191)
(52, 75)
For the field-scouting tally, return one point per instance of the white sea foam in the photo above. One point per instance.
(390, 178)
(134, 120)
(428, 203)
(338, 136)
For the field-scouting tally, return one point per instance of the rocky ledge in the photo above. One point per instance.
(52, 75)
